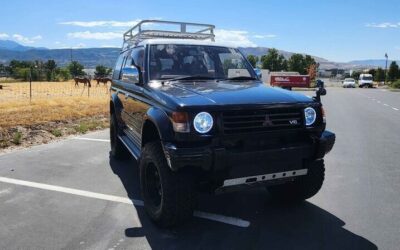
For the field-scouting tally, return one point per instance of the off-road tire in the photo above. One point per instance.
(303, 187)
(177, 196)
(118, 150)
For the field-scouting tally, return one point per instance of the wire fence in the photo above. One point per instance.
(42, 90)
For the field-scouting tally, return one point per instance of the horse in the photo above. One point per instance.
(104, 80)
(84, 80)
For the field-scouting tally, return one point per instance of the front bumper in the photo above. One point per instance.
(219, 159)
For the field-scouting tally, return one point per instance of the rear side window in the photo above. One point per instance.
(118, 65)
(138, 57)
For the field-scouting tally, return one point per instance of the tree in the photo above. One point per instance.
(75, 68)
(301, 64)
(50, 67)
(355, 74)
(252, 60)
(2, 69)
(393, 72)
(62, 74)
(273, 61)
(379, 75)
(372, 72)
(297, 63)
(102, 71)
(312, 71)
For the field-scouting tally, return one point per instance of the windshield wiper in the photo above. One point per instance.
(193, 77)
(239, 78)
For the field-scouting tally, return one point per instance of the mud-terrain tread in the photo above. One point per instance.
(178, 196)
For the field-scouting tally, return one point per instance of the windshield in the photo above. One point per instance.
(349, 80)
(170, 61)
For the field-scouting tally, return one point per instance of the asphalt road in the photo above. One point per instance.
(69, 195)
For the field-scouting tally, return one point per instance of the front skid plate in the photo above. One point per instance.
(264, 177)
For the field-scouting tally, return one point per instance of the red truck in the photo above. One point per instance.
(290, 81)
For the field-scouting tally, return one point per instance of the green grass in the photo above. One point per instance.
(56, 132)
(17, 138)
(85, 126)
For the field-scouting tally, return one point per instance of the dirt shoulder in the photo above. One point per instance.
(29, 135)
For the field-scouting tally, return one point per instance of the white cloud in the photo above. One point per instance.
(265, 36)
(102, 23)
(95, 35)
(24, 39)
(4, 36)
(234, 38)
(383, 25)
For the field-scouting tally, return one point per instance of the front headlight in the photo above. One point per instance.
(203, 122)
(310, 116)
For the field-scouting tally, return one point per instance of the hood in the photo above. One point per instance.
(228, 93)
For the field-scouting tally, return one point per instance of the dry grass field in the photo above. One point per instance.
(58, 108)
(51, 101)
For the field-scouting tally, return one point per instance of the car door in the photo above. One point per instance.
(117, 88)
(135, 105)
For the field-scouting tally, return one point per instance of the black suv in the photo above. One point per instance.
(197, 118)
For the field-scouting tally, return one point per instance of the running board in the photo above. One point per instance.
(130, 146)
(265, 177)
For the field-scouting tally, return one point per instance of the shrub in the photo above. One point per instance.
(396, 84)
(17, 138)
(56, 132)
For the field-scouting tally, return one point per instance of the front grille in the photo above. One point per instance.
(248, 121)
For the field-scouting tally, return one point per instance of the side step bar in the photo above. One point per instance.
(265, 177)
(135, 152)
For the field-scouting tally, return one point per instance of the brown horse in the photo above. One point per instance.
(84, 80)
(104, 80)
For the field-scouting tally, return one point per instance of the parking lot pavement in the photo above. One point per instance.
(69, 194)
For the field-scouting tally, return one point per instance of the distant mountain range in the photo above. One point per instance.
(90, 57)
(14, 46)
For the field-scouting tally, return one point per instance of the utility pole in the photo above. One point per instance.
(386, 56)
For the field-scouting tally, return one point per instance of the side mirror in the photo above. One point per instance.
(130, 75)
(320, 91)
(258, 73)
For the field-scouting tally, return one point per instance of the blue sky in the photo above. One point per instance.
(336, 30)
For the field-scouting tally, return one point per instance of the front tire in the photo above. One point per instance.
(168, 196)
(301, 188)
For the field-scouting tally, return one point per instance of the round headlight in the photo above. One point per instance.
(203, 122)
(310, 115)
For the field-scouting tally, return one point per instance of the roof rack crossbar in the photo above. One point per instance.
(138, 32)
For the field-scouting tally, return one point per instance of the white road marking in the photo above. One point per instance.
(209, 216)
(395, 108)
(378, 101)
(385, 105)
(90, 139)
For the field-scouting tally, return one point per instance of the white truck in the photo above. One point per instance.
(365, 80)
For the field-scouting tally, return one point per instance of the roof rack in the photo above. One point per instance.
(179, 30)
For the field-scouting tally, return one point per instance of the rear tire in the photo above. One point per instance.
(301, 188)
(118, 150)
(168, 196)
